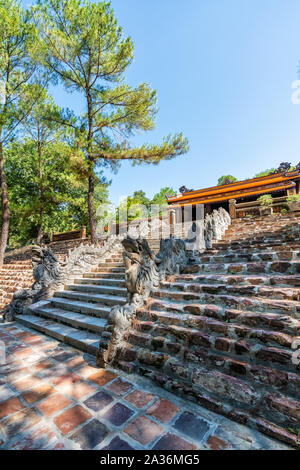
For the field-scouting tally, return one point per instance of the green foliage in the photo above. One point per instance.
(293, 198)
(18, 78)
(139, 206)
(65, 195)
(265, 173)
(270, 171)
(227, 179)
(82, 46)
(265, 200)
(54, 158)
(160, 197)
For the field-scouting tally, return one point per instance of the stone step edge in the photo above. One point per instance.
(231, 412)
(81, 307)
(82, 322)
(66, 334)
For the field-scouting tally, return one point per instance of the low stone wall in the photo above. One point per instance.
(226, 334)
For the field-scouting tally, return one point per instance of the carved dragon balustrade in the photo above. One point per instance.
(50, 274)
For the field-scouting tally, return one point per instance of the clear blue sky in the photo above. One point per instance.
(223, 71)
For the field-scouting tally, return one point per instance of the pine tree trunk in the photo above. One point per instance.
(40, 232)
(91, 190)
(91, 206)
(5, 207)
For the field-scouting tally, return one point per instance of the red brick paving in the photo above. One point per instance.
(38, 393)
(118, 414)
(20, 421)
(143, 430)
(71, 418)
(215, 443)
(163, 410)
(27, 383)
(119, 387)
(10, 406)
(58, 399)
(86, 371)
(102, 377)
(173, 442)
(139, 399)
(53, 405)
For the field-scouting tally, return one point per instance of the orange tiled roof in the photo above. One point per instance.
(262, 184)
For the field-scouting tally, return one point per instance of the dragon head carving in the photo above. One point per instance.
(140, 267)
(45, 265)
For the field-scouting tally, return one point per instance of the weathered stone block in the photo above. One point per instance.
(225, 385)
(223, 344)
(267, 376)
(152, 359)
(200, 339)
(289, 408)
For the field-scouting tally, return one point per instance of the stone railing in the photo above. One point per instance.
(143, 273)
(203, 233)
(50, 274)
(244, 209)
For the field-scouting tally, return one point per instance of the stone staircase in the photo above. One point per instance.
(222, 333)
(16, 272)
(78, 314)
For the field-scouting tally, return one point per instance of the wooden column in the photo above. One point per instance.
(232, 209)
(292, 190)
(172, 217)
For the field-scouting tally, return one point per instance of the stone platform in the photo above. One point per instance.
(54, 397)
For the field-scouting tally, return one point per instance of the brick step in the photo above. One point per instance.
(237, 249)
(245, 248)
(287, 267)
(177, 300)
(102, 275)
(263, 228)
(260, 232)
(260, 239)
(93, 298)
(241, 318)
(27, 263)
(289, 216)
(238, 279)
(83, 340)
(16, 278)
(76, 320)
(104, 282)
(97, 289)
(107, 269)
(287, 293)
(86, 308)
(9, 289)
(262, 224)
(7, 284)
(254, 347)
(117, 259)
(271, 234)
(109, 264)
(258, 256)
(15, 267)
(225, 392)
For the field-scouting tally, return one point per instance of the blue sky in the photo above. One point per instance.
(223, 71)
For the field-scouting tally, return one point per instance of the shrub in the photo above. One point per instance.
(265, 200)
(293, 198)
